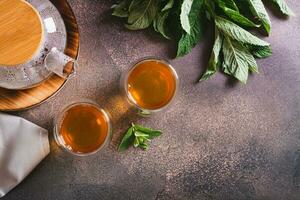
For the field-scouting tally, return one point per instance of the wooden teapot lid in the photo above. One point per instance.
(21, 32)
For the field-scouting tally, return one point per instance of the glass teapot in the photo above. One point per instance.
(32, 40)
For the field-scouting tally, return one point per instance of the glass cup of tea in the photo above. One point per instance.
(82, 128)
(150, 85)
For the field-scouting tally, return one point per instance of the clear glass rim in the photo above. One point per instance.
(134, 65)
(58, 120)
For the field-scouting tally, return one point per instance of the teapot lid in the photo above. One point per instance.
(21, 32)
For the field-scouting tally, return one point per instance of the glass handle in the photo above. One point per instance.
(60, 64)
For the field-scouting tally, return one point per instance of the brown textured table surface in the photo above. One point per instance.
(221, 140)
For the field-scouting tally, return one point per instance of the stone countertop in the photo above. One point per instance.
(221, 140)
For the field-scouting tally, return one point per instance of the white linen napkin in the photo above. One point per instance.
(22, 146)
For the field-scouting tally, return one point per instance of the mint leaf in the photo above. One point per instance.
(160, 21)
(283, 7)
(185, 21)
(237, 33)
(154, 134)
(143, 129)
(138, 136)
(150, 132)
(214, 58)
(121, 9)
(238, 60)
(159, 24)
(184, 15)
(260, 52)
(136, 142)
(141, 14)
(127, 140)
(238, 18)
(229, 4)
(188, 41)
(210, 9)
(258, 9)
(144, 146)
(168, 6)
(225, 69)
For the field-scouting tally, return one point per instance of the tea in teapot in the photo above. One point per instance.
(32, 41)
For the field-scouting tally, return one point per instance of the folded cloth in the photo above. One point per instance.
(22, 146)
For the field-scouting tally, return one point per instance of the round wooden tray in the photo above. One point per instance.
(14, 100)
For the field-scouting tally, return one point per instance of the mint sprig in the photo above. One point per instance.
(185, 21)
(138, 136)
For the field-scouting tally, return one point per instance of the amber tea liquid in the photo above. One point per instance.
(151, 84)
(83, 128)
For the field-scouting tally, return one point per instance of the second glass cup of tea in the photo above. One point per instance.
(82, 128)
(150, 85)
